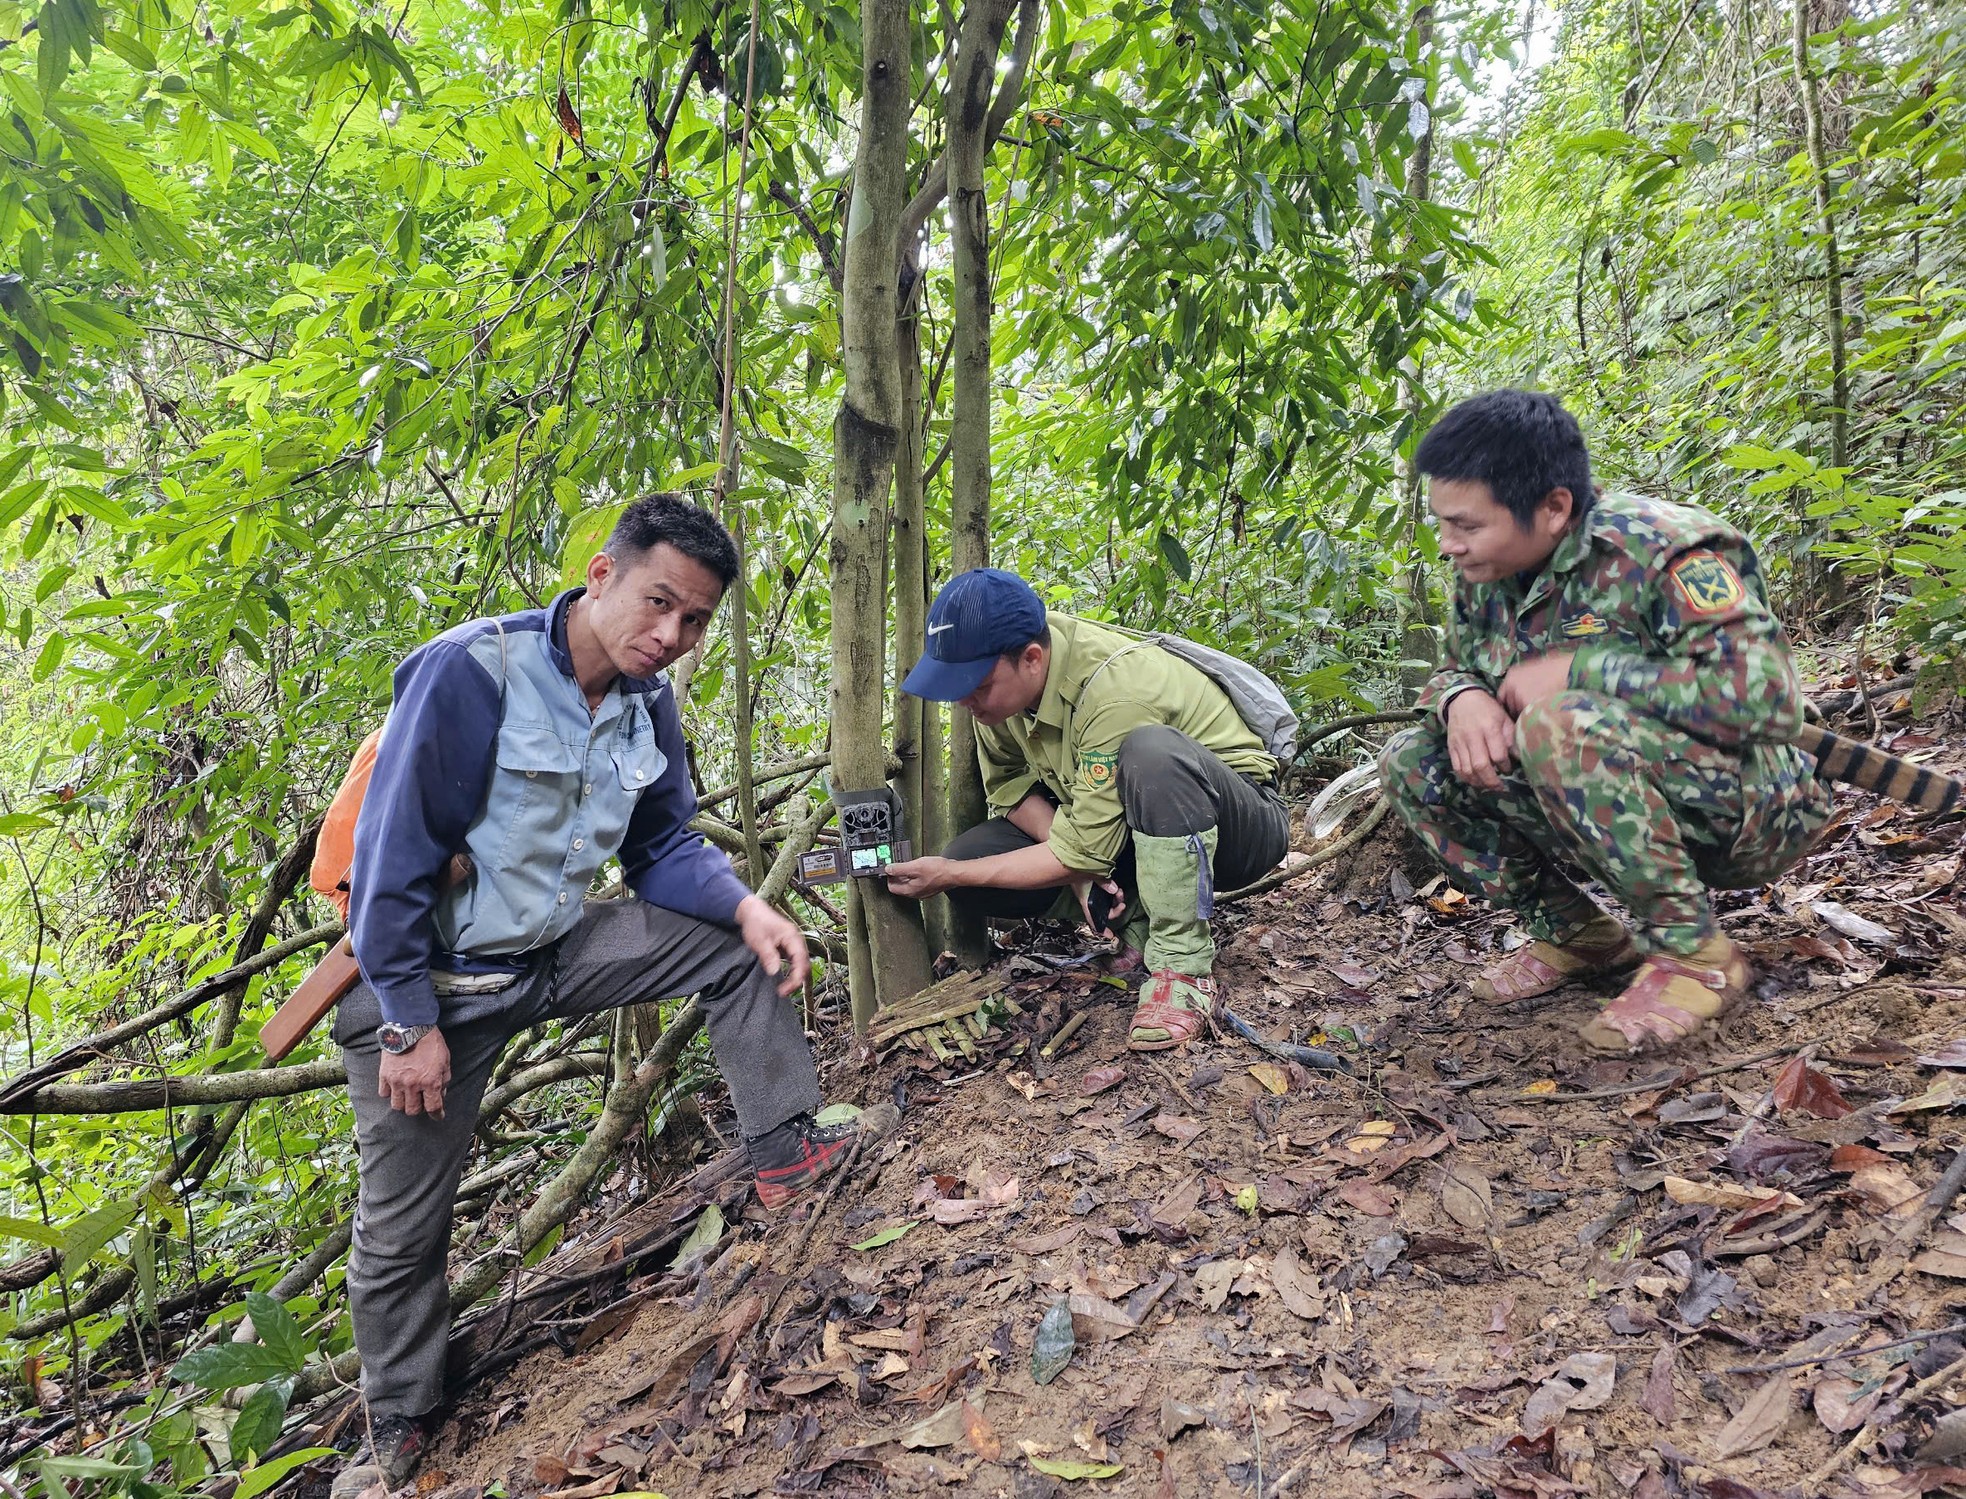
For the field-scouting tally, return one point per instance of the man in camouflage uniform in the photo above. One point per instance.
(1106, 760)
(1617, 698)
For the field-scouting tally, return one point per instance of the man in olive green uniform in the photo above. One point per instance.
(1616, 697)
(1105, 760)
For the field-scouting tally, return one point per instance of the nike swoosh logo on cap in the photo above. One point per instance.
(934, 630)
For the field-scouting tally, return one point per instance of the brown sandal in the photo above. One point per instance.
(1671, 999)
(1178, 1023)
(1541, 967)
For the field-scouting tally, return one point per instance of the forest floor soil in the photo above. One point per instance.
(1487, 1262)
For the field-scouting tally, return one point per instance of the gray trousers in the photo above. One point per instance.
(1170, 785)
(623, 952)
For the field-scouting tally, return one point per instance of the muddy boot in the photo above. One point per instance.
(387, 1460)
(1671, 998)
(1600, 945)
(1177, 897)
(791, 1160)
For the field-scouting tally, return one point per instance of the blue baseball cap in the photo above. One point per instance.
(975, 618)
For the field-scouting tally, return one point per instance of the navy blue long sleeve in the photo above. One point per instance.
(432, 769)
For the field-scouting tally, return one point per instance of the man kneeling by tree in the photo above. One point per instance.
(540, 746)
(1107, 761)
(1616, 696)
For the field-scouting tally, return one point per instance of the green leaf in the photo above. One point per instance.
(708, 1230)
(278, 1330)
(26, 1228)
(259, 1420)
(229, 1366)
(258, 1480)
(87, 1236)
(1178, 561)
(886, 1236)
(1072, 1469)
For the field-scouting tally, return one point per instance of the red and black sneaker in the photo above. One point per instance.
(791, 1159)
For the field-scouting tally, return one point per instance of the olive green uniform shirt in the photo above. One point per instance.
(1101, 686)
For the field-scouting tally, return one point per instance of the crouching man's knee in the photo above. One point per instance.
(1554, 738)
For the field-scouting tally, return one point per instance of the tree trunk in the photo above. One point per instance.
(866, 434)
(911, 714)
(1417, 643)
(968, 105)
(1828, 580)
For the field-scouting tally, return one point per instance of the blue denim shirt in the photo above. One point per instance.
(490, 750)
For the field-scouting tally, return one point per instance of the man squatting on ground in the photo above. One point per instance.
(1105, 759)
(540, 746)
(1616, 697)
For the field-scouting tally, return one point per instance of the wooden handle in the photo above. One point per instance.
(318, 993)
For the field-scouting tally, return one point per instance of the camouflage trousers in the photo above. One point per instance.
(1655, 816)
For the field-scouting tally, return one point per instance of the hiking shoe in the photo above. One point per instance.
(387, 1459)
(1539, 967)
(791, 1159)
(1173, 1010)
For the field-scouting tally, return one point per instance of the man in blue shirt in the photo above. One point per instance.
(539, 746)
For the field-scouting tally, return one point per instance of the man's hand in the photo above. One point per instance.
(1529, 682)
(777, 942)
(1480, 739)
(1083, 890)
(414, 1081)
(918, 879)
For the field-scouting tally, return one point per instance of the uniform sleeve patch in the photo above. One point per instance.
(1098, 769)
(1707, 583)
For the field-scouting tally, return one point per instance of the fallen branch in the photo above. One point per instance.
(1317, 860)
(90, 1049)
(139, 1095)
(1325, 731)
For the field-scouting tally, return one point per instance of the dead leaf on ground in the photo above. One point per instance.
(1887, 1188)
(1800, 1086)
(1049, 1243)
(1840, 1405)
(1374, 1134)
(1271, 1076)
(1952, 1054)
(1212, 1282)
(1467, 1197)
(1758, 1422)
(1354, 975)
(607, 1483)
(1300, 1289)
(1657, 1401)
(1179, 1201)
(1176, 1127)
(942, 1429)
(1945, 1255)
(1368, 1197)
(1176, 1417)
(982, 1437)
(1099, 1079)
(1725, 1194)
(1582, 1382)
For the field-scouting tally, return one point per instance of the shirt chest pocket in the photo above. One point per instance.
(537, 787)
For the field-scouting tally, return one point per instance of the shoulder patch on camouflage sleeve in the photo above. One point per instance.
(1097, 769)
(1707, 583)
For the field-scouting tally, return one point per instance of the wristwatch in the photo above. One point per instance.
(397, 1039)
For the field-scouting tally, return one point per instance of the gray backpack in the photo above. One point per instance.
(1258, 700)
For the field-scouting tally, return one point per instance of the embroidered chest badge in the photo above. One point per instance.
(1098, 770)
(1708, 584)
(1585, 625)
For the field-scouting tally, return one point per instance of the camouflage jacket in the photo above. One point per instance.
(1665, 608)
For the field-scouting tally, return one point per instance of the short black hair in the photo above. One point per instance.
(1043, 638)
(666, 517)
(1520, 443)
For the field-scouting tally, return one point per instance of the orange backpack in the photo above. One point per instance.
(334, 850)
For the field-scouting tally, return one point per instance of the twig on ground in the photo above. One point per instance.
(1813, 1483)
(1832, 1355)
(1671, 1080)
